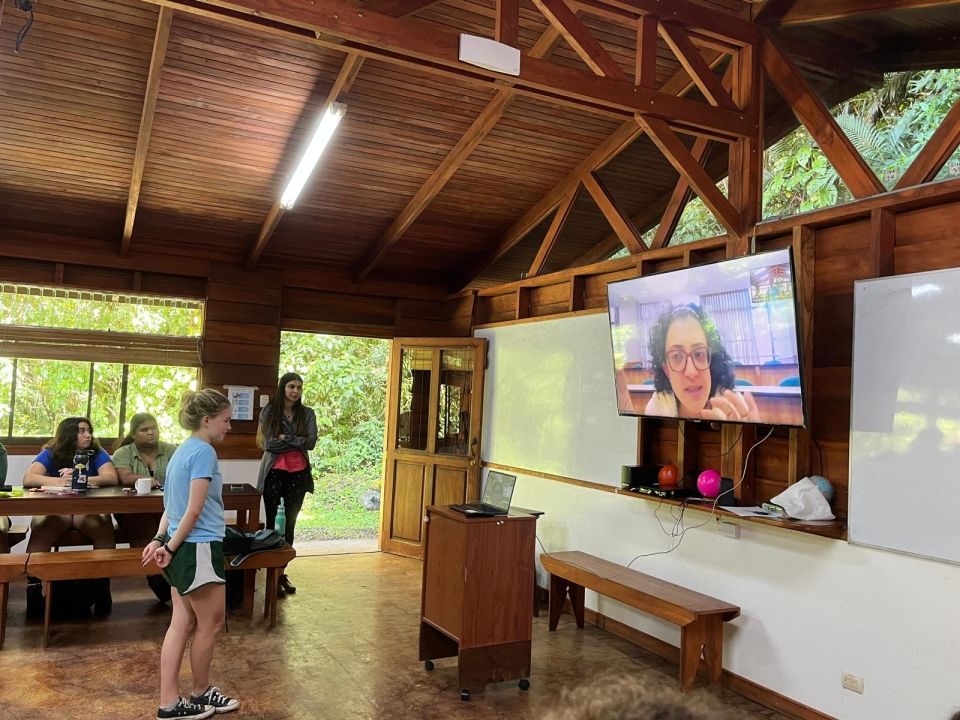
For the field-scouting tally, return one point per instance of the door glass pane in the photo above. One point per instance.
(456, 385)
(415, 364)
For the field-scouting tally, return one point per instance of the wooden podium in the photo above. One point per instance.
(477, 602)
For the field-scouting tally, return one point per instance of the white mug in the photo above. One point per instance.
(144, 485)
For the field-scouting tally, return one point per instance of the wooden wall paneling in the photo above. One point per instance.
(27, 271)
(549, 299)
(686, 460)
(243, 358)
(575, 292)
(335, 307)
(95, 278)
(522, 298)
(173, 285)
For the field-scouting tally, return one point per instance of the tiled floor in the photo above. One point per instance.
(345, 647)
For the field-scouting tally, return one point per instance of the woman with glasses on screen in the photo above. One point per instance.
(693, 375)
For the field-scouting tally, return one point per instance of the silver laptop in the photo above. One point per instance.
(497, 494)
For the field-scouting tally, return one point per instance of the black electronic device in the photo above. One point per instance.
(633, 476)
(497, 494)
(677, 493)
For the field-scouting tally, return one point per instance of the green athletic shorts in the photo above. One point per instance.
(195, 565)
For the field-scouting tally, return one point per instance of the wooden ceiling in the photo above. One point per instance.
(172, 128)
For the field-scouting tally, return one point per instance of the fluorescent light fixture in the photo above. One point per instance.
(318, 143)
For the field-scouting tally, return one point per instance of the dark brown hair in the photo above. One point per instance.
(135, 422)
(63, 445)
(274, 418)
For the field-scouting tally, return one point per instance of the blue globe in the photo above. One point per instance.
(824, 485)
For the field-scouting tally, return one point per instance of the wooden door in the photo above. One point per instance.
(435, 403)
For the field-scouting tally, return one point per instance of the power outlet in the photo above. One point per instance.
(731, 530)
(852, 682)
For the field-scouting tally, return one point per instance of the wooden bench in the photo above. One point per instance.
(11, 567)
(125, 562)
(700, 617)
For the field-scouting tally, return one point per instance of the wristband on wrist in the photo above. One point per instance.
(158, 538)
(169, 550)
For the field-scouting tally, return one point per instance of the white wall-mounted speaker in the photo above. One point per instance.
(489, 54)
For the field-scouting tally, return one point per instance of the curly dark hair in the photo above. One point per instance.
(722, 374)
(63, 445)
(634, 697)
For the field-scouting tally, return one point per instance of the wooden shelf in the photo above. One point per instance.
(835, 529)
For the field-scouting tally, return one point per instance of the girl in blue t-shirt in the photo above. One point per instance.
(54, 466)
(189, 548)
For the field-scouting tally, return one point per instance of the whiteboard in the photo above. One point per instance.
(905, 415)
(550, 403)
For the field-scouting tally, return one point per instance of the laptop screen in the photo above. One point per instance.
(499, 489)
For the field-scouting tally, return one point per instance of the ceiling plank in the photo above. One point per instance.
(678, 199)
(935, 153)
(692, 171)
(474, 135)
(794, 12)
(157, 57)
(692, 61)
(553, 232)
(507, 27)
(341, 85)
(620, 222)
(372, 34)
(398, 8)
(816, 118)
(580, 38)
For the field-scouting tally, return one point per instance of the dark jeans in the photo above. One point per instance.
(292, 487)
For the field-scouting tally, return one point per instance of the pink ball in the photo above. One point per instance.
(708, 483)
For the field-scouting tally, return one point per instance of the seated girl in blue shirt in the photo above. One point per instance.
(54, 466)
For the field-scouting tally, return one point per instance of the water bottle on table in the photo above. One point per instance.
(78, 480)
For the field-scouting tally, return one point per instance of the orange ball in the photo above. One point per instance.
(669, 476)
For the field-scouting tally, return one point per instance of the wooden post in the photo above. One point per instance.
(798, 462)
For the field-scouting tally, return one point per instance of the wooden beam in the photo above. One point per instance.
(745, 158)
(341, 85)
(692, 61)
(816, 118)
(689, 169)
(680, 83)
(580, 38)
(678, 199)
(553, 232)
(708, 22)
(883, 240)
(162, 34)
(618, 219)
(398, 8)
(935, 153)
(339, 25)
(474, 135)
(794, 12)
(645, 73)
(507, 27)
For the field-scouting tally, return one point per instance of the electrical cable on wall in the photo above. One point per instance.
(26, 6)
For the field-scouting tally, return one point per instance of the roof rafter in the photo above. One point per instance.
(623, 136)
(794, 12)
(935, 153)
(580, 38)
(373, 34)
(553, 232)
(621, 223)
(816, 118)
(346, 76)
(474, 135)
(157, 58)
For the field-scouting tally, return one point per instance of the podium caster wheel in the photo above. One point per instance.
(465, 695)
(524, 684)
(428, 665)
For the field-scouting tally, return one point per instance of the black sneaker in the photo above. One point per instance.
(186, 709)
(220, 702)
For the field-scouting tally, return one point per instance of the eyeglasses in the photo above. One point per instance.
(677, 358)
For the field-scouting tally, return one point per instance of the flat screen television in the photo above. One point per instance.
(716, 342)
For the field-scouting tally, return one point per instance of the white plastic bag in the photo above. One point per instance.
(804, 501)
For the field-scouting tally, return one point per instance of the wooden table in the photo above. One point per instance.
(242, 498)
